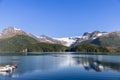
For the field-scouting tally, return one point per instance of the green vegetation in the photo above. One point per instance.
(92, 48)
(112, 41)
(21, 43)
(46, 47)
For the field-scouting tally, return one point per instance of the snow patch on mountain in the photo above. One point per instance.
(11, 31)
(17, 29)
(69, 41)
(44, 38)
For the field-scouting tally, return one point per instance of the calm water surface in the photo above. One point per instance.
(62, 67)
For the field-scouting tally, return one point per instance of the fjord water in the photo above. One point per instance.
(63, 66)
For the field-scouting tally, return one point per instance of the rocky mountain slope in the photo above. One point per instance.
(87, 36)
(10, 32)
(110, 40)
(96, 37)
(14, 39)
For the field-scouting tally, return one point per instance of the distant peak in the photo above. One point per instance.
(17, 29)
(94, 32)
(97, 31)
(43, 35)
(11, 31)
(86, 33)
(12, 28)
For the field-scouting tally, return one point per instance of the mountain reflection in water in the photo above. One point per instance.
(28, 65)
(97, 65)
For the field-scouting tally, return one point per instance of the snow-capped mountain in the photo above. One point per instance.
(44, 38)
(78, 39)
(90, 36)
(93, 35)
(11, 31)
(67, 41)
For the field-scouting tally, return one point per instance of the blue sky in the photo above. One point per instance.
(60, 18)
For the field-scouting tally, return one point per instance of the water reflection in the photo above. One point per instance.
(96, 64)
(46, 63)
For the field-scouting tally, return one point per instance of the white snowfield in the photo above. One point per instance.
(69, 41)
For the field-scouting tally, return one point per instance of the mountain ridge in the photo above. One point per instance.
(66, 41)
(13, 39)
